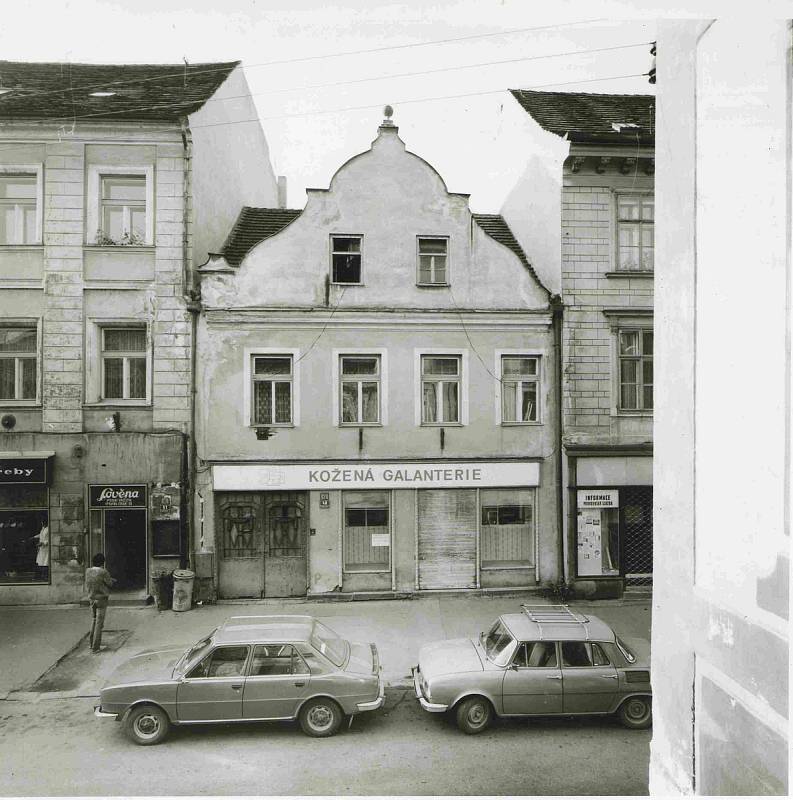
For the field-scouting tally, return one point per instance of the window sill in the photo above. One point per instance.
(366, 571)
(529, 424)
(360, 424)
(346, 283)
(433, 285)
(493, 567)
(114, 248)
(165, 555)
(442, 425)
(119, 404)
(29, 246)
(627, 413)
(276, 425)
(33, 404)
(631, 273)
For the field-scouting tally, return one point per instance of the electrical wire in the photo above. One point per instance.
(322, 56)
(324, 327)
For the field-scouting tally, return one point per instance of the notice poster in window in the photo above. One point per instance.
(381, 540)
(590, 549)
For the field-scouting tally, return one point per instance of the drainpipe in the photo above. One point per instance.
(557, 311)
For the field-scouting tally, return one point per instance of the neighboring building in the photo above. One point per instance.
(605, 223)
(108, 183)
(721, 599)
(378, 411)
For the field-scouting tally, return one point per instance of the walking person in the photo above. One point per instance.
(98, 583)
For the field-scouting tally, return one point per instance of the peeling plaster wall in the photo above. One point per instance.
(720, 616)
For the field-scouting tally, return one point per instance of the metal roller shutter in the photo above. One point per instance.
(447, 538)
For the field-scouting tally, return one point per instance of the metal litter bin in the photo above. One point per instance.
(182, 589)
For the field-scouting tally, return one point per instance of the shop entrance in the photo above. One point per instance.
(262, 540)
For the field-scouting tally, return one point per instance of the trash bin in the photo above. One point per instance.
(163, 589)
(182, 589)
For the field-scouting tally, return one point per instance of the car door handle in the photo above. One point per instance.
(554, 677)
(300, 683)
(236, 686)
(609, 677)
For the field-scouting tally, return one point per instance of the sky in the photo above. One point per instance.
(319, 108)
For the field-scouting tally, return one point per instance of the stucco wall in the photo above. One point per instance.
(721, 505)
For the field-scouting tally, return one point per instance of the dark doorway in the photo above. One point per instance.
(125, 547)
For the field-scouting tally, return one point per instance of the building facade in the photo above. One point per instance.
(103, 197)
(381, 369)
(606, 249)
(721, 599)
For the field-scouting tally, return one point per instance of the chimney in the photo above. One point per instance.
(282, 191)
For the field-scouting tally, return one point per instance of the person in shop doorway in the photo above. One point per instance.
(42, 568)
(98, 583)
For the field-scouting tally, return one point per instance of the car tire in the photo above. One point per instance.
(636, 713)
(321, 717)
(147, 725)
(474, 714)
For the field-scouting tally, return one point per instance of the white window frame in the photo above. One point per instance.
(616, 195)
(419, 282)
(93, 212)
(382, 353)
(95, 363)
(630, 319)
(640, 330)
(418, 391)
(28, 170)
(520, 353)
(247, 387)
(27, 323)
(332, 252)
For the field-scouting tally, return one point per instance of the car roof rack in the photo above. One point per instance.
(555, 615)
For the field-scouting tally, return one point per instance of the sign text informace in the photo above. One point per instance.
(117, 496)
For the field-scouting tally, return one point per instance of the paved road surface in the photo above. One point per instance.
(56, 747)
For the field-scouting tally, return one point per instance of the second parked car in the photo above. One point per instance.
(546, 660)
(250, 668)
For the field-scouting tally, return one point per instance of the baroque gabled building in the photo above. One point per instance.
(108, 191)
(596, 183)
(378, 406)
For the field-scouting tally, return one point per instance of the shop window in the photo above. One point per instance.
(367, 532)
(124, 363)
(507, 528)
(440, 389)
(19, 212)
(520, 377)
(598, 532)
(18, 359)
(24, 534)
(346, 259)
(238, 532)
(360, 390)
(432, 261)
(272, 390)
(635, 232)
(636, 369)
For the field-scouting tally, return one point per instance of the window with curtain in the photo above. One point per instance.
(433, 253)
(18, 212)
(507, 528)
(18, 377)
(367, 536)
(272, 390)
(635, 232)
(124, 363)
(636, 369)
(360, 390)
(520, 376)
(123, 210)
(440, 389)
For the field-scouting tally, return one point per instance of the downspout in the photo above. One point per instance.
(188, 437)
(557, 311)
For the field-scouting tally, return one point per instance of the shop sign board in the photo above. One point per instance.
(165, 502)
(363, 475)
(598, 498)
(117, 496)
(24, 470)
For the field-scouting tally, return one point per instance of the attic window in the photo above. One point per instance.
(620, 126)
(102, 94)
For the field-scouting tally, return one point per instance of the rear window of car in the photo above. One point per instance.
(330, 644)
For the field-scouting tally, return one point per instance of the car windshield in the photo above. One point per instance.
(190, 655)
(499, 645)
(626, 651)
(330, 644)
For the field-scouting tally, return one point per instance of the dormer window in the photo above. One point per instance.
(346, 258)
(433, 261)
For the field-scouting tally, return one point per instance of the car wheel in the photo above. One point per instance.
(147, 725)
(474, 715)
(636, 712)
(321, 717)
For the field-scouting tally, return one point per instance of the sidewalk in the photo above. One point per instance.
(33, 639)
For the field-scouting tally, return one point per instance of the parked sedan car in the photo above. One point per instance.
(545, 660)
(249, 668)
